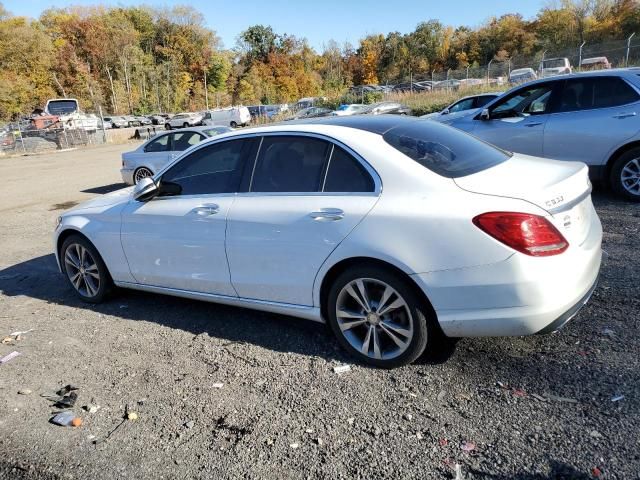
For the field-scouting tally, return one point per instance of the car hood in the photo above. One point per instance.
(106, 200)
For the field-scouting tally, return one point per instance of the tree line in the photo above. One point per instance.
(144, 59)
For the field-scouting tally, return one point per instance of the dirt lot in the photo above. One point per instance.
(533, 408)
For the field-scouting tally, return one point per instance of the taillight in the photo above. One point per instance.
(529, 234)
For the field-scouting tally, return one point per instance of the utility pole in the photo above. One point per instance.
(626, 60)
(206, 93)
(489, 70)
(580, 56)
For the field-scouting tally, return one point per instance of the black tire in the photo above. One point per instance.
(137, 172)
(105, 284)
(426, 332)
(167, 126)
(185, 125)
(233, 124)
(615, 179)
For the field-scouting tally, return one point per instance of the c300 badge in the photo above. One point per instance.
(554, 201)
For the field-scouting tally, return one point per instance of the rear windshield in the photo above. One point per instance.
(444, 150)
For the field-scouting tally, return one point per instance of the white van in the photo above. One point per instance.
(232, 116)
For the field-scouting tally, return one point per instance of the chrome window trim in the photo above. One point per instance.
(367, 166)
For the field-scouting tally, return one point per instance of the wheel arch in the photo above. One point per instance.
(66, 233)
(615, 155)
(344, 264)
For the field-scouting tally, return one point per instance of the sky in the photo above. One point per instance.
(320, 20)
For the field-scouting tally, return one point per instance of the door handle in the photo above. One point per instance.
(532, 124)
(206, 210)
(625, 115)
(327, 215)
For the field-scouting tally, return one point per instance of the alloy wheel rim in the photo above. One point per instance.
(82, 270)
(374, 318)
(142, 173)
(630, 176)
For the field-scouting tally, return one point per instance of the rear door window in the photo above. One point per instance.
(595, 92)
(292, 164)
(183, 140)
(160, 144)
(346, 174)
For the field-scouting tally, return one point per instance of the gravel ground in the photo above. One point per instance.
(524, 408)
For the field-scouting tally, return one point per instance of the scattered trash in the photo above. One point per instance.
(595, 434)
(407, 416)
(419, 436)
(468, 446)
(608, 332)
(269, 441)
(217, 385)
(555, 398)
(518, 392)
(66, 389)
(8, 357)
(309, 430)
(190, 424)
(132, 416)
(341, 368)
(502, 385)
(124, 306)
(538, 397)
(91, 407)
(617, 398)
(66, 419)
(596, 472)
(24, 391)
(18, 334)
(68, 401)
(443, 442)
(294, 445)
(441, 395)
(458, 470)
(351, 420)
(319, 441)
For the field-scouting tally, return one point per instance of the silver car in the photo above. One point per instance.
(588, 117)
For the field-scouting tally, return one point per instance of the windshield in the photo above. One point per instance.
(444, 150)
(554, 63)
(342, 108)
(61, 107)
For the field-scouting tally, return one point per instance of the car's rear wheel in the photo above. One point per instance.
(140, 173)
(377, 316)
(185, 125)
(625, 175)
(167, 126)
(85, 270)
(233, 124)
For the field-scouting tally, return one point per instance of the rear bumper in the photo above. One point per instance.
(519, 296)
(127, 175)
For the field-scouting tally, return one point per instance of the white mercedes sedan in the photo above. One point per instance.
(399, 233)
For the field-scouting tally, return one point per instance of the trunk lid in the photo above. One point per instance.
(562, 189)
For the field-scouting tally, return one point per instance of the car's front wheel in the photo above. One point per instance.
(625, 175)
(167, 126)
(233, 125)
(377, 316)
(85, 270)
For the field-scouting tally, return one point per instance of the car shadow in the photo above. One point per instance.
(39, 278)
(105, 188)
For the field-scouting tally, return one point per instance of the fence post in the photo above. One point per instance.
(448, 86)
(104, 132)
(580, 57)
(467, 72)
(24, 150)
(489, 70)
(626, 60)
(509, 68)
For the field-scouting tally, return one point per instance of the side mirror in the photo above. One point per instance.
(145, 190)
(445, 112)
(484, 115)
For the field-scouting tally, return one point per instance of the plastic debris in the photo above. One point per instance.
(518, 392)
(458, 470)
(132, 416)
(468, 446)
(66, 389)
(617, 398)
(68, 401)
(24, 391)
(294, 445)
(217, 385)
(190, 424)
(608, 332)
(443, 442)
(596, 472)
(502, 384)
(341, 368)
(91, 407)
(66, 419)
(538, 397)
(17, 334)
(555, 398)
(8, 357)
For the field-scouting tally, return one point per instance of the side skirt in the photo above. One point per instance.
(301, 311)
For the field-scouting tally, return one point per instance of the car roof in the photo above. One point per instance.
(615, 72)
